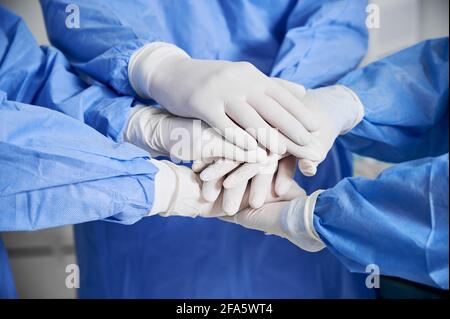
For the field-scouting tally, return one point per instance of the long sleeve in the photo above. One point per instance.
(103, 44)
(405, 97)
(43, 77)
(398, 221)
(55, 170)
(324, 40)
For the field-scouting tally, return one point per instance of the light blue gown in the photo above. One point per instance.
(398, 221)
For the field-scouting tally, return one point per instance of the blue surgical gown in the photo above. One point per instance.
(312, 42)
(58, 169)
(399, 221)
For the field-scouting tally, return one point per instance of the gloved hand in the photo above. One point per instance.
(290, 220)
(229, 96)
(178, 193)
(234, 185)
(161, 133)
(337, 110)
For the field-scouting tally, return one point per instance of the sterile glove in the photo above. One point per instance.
(290, 220)
(337, 110)
(161, 133)
(229, 96)
(178, 193)
(234, 185)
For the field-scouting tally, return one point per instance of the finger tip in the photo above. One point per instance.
(282, 188)
(282, 147)
(228, 183)
(204, 177)
(210, 198)
(256, 203)
(309, 172)
(229, 208)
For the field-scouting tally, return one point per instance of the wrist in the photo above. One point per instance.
(297, 223)
(352, 102)
(339, 105)
(166, 183)
(144, 63)
(143, 129)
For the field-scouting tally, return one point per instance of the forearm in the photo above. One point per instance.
(398, 221)
(405, 97)
(58, 171)
(103, 44)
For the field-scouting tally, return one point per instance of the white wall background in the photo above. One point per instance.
(39, 258)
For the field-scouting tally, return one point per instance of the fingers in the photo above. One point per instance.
(261, 186)
(310, 151)
(278, 117)
(248, 118)
(233, 133)
(248, 170)
(232, 198)
(294, 191)
(285, 175)
(282, 92)
(244, 173)
(220, 168)
(224, 149)
(266, 219)
(211, 189)
(307, 167)
(198, 166)
(295, 89)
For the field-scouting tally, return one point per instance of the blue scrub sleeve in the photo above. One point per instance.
(324, 41)
(55, 170)
(398, 221)
(405, 97)
(103, 44)
(43, 76)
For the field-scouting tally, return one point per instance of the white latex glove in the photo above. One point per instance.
(178, 193)
(337, 110)
(229, 96)
(260, 174)
(290, 220)
(161, 133)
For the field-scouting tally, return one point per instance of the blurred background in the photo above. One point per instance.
(39, 259)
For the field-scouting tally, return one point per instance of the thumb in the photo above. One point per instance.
(307, 167)
(266, 219)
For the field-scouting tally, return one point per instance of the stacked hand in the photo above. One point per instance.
(336, 110)
(231, 97)
(267, 124)
(178, 193)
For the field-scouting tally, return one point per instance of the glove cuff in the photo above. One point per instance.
(166, 188)
(142, 129)
(297, 223)
(143, 63)
(308, 214)
(356, 103)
